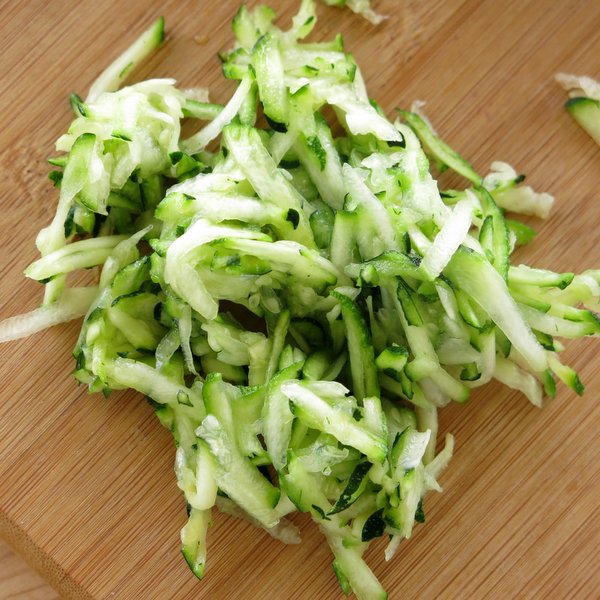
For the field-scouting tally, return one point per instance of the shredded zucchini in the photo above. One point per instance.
(584, 102)
(297, 304)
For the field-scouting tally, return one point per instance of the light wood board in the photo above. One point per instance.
(18, 581)
(87, 491)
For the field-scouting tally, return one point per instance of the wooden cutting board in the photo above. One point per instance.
(87, 491)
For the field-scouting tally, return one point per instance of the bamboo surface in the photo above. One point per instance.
(18, 581)
(87, 490)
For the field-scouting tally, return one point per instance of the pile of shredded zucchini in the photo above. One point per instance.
(292, 291)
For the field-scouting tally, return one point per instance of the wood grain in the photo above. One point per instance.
(87, 491)
(18, 581)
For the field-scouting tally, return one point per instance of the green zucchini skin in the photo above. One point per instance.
(586, 111)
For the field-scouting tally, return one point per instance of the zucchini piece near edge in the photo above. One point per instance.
(586, 111)
(111, 79)
(193, 540)
(439, 149)
(350, 567)
(472, 273)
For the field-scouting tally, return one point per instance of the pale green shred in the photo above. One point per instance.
(584, 102)
(295, 303)
(360, 7)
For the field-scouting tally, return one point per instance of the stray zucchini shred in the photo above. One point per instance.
(584, 102)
